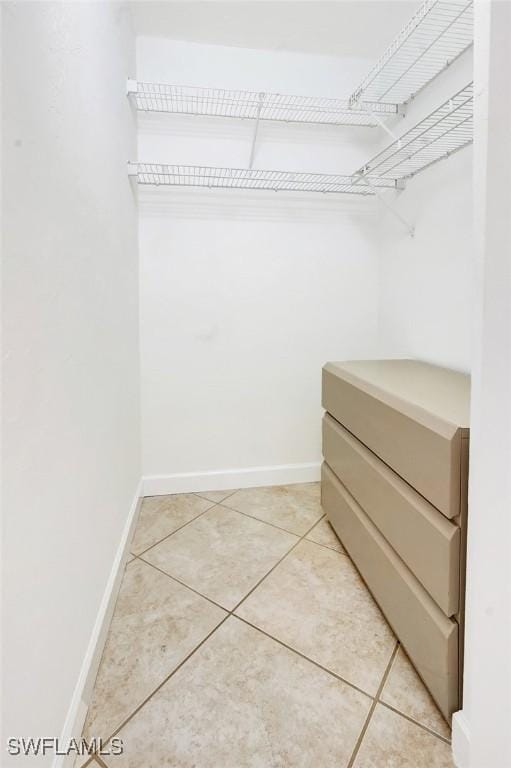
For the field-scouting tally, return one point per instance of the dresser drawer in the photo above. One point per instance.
(427, 542)
(428, 636)
(423, 448)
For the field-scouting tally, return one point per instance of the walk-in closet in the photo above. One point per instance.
(257, 361)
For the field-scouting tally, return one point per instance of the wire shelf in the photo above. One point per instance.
(445, 131)
(435, 36)
(244, 178)
(217, 102)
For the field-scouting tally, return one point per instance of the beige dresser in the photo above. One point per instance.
(394, 487)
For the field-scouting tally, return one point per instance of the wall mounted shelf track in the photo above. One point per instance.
(243, 178)
(444, 131)
(218, 102)
(437, 34)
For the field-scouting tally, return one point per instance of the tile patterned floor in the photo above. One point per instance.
(243, 637)
(323, 533)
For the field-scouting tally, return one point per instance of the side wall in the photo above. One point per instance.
(426, 281)
(481, 735)
(244, 295)
(70, 337)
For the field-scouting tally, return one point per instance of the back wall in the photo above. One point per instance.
(244, 295)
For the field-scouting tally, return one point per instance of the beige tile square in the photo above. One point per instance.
(393, 742)
(324, 534)
(222, 554)
(244, 701)
(160, 515)
(292, 507)
(216, 496)
(405, 691)
(156, 624)
(315, 601)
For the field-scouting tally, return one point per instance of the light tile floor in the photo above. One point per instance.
(243, 637)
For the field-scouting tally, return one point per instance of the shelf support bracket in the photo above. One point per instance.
(409, 227)
(381, 123)
(256, 129)
(131, 87)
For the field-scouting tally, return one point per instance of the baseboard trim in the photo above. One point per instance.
(460, 740)
(81, 697)
(188, 482)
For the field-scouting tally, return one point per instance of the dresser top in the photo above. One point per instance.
(439, 391)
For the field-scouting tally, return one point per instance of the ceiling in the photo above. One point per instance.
(344, 28)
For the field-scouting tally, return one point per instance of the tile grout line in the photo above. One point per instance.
(415, 722)
(259, 629)
(303, 656)
(197, 493)
(286, 530)
(183, 584)
(93, 760)
(168, 535)
(201, 594)
(273, 525)
(299, 541)
(231, 610)
(325, 546)
(181, 663)
(231, 509)
(376, 699)
(229, 613)
(165, 680)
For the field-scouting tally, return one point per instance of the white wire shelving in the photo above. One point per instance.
(437, 34)
(218, 102)
(443, 132)
(446, 130)
(159, 174)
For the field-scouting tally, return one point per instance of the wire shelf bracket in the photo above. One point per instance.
(446, 130)
(409, 227)
(209, 177)
(256, 129)
(439, 32)
(253, 105)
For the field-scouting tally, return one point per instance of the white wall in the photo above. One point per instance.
(71, 433)
(245, 295)
(481, 734)
(426, 283)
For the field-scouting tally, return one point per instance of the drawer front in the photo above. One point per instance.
(423, 450)
(427, 542)
(427, 635)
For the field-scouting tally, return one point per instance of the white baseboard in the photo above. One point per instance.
(460, 740)
(251, 477)
(81, 697)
